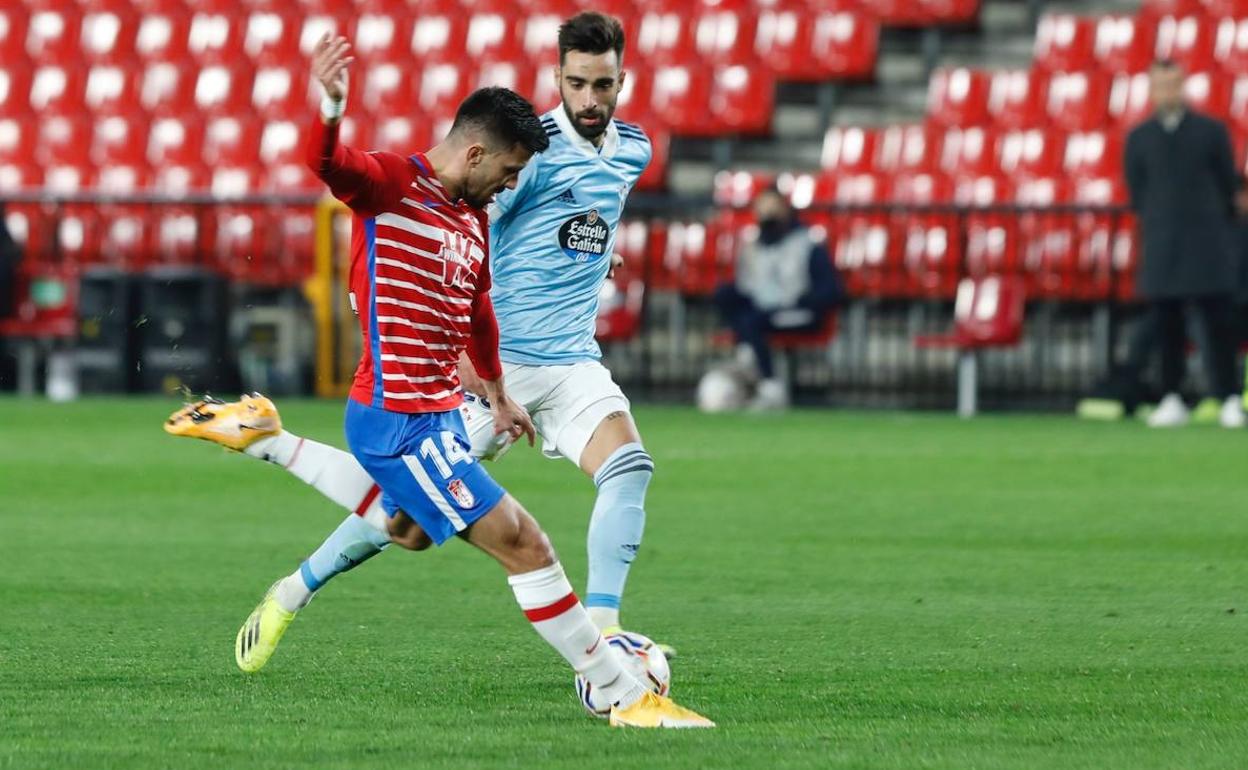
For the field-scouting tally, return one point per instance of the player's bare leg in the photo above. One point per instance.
(510, 535)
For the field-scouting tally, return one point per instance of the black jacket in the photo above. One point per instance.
(1182, 187)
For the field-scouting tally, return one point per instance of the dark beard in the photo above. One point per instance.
(589, 132)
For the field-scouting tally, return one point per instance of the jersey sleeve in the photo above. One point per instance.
(483, 344)
(368, 182)
(508, 201)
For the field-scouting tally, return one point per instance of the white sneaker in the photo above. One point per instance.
(772, 396)
(1232, 414)
(1170, 413)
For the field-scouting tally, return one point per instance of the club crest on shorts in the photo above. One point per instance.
(462, 494)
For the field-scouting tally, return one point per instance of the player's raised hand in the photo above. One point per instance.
(330, 60)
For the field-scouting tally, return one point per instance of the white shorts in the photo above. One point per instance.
(567, 404)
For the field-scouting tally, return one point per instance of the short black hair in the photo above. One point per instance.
(591, 32)
(505, 116)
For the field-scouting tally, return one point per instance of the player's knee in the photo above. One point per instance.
(532, 543)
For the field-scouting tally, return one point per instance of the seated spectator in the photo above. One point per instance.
(785, 282)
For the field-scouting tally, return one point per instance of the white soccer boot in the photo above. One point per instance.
(1170, 413)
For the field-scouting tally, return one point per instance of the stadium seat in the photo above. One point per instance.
(224, 89)
(495, 29)
(968, 151)
(725, 31)
(57, 88)
(169, 88)
(680, 99)
(385, 87)
(655, 175)
(1128, 99)
(518, 75)
(1016, 98)
(988, 313)
(126, 229)
(1096, 233)
(805, 43)
(282, 91)
(1093, 153)
(634, 102)
(1237, 110)
(77, 225)
(319, 18)
(1155, 9)
(1033, 152)
(991, 237)
(909, 147)
(52, 31)
(382, 29)
(231, 140)
(738, 189)
(179, 230)
(439, 89)
(18, 138)
(620, 304)
(15, 81)
(665, 34)
(109, 30)
(1208, 92)
(403, 135)
(1186, 40)
(64, 138)
(931, 241)
(1077, 100)
(1045, 238)
(742, 100)
(14, 21)
(1124, 44)
(958, 97)
(271, 34)
(1064, 42)
(849, 148)
(120, 139)
(632, 243)
(540, 36)
(111, 88)
(439, 32)
(216, 32)
(175, 140)
(164, 31)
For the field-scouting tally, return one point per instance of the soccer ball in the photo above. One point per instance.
(641, 657)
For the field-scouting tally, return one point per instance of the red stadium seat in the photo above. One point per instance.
(1208, 92)
(109, 30)
(518, 75)
(1129, 100)
(282, 91)
(1124, 43)
(1095, 235)
(169, 87)
(120, 139)
(737, 189)
(382, 29)
(439, 89)
(1046, 238)
(440, 32)
(77, 225)
(15, 82)
(1077, 100)
(634, 102)
(665, 35)
(320, 18)
(271, 34)
(14, 19)
(632, 241)
(175, 140)
(1217, 9)
(1158, 8)
(742, 99)
(495, 29)
(112, 87)
(179, 230)
(224, 89)
(403, 135)
(18, 138)
(968, 151)
(680, 99)
(216, 32)
(655, 175)
(1238, 108)
(1187, 40)
(1064, 42)
(724, 31)
(64, 138)
(52, 31)
(231, 140)
(1231, 45)
(126, 230)
(56, 88)
(164, 31)
(539, 38)
(849, 148)
(931, 243)
(1034, 152)
(1093, 153)
(958, 97)
(282, 142)
(386, 87)
(914, 147)
(1016, 98)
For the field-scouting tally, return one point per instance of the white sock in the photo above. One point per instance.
(292, 593)
(331, 471)
(604, 617)
(549, 603)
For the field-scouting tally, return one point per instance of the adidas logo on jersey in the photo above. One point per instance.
(568, 197)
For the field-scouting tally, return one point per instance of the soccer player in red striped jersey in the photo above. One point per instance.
(419, 283)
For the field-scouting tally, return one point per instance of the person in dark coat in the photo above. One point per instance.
(785, 282)
(1181, 179)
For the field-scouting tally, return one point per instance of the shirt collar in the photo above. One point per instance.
(610, 143)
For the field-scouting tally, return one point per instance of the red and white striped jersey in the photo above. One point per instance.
(419, 276)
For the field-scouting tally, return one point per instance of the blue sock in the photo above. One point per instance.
(615, 528)
(354, 541)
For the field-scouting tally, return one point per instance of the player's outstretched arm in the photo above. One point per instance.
(367, 182)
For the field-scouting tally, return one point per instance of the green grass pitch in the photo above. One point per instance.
(845, 590)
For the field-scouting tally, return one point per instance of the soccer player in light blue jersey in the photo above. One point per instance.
(551, 243)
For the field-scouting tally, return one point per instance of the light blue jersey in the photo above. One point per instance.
(552, 237)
